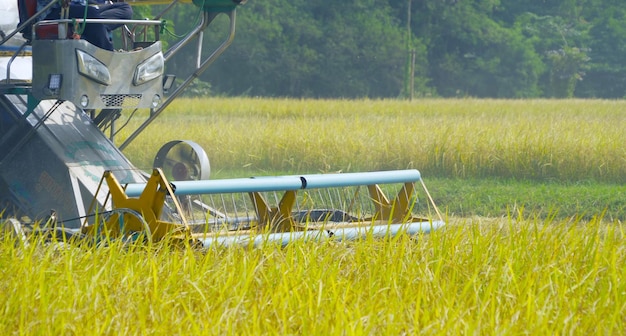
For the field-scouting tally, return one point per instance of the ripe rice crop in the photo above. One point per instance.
(476, 276)
(547, 140)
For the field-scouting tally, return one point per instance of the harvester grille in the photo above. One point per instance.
(121, 100)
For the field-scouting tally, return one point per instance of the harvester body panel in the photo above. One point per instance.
(56, 164)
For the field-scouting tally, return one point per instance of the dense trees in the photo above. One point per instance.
(447, 48)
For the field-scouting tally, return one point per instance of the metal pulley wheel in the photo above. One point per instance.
(183, 160)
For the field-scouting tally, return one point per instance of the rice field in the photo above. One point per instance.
(506, 274)
(541, 140)
(477, 276)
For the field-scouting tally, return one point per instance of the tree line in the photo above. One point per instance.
(416, 48)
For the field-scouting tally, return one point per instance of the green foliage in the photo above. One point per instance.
(470, 54)
(566, 69)
(313, 49)
(142, 12)
(561, 44)
(197, 88)
(606, 76)
(487, 48)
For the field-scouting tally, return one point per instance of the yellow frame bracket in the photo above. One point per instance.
(149, 205)
(398, 211)
(278, 218)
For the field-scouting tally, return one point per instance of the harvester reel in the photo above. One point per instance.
(183, 160)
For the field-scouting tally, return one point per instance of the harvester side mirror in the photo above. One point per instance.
(168, 81)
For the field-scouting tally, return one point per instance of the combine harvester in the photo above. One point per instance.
(60, 174)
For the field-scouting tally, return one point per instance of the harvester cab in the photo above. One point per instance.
(60, 95)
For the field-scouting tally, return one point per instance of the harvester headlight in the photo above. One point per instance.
(54, 82)
(156, 100)
(90, 67)
(84, 101)
(149, 69)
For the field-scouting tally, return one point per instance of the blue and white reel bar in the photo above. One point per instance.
(302, 182)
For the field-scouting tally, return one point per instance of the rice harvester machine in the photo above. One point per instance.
(62, 174)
